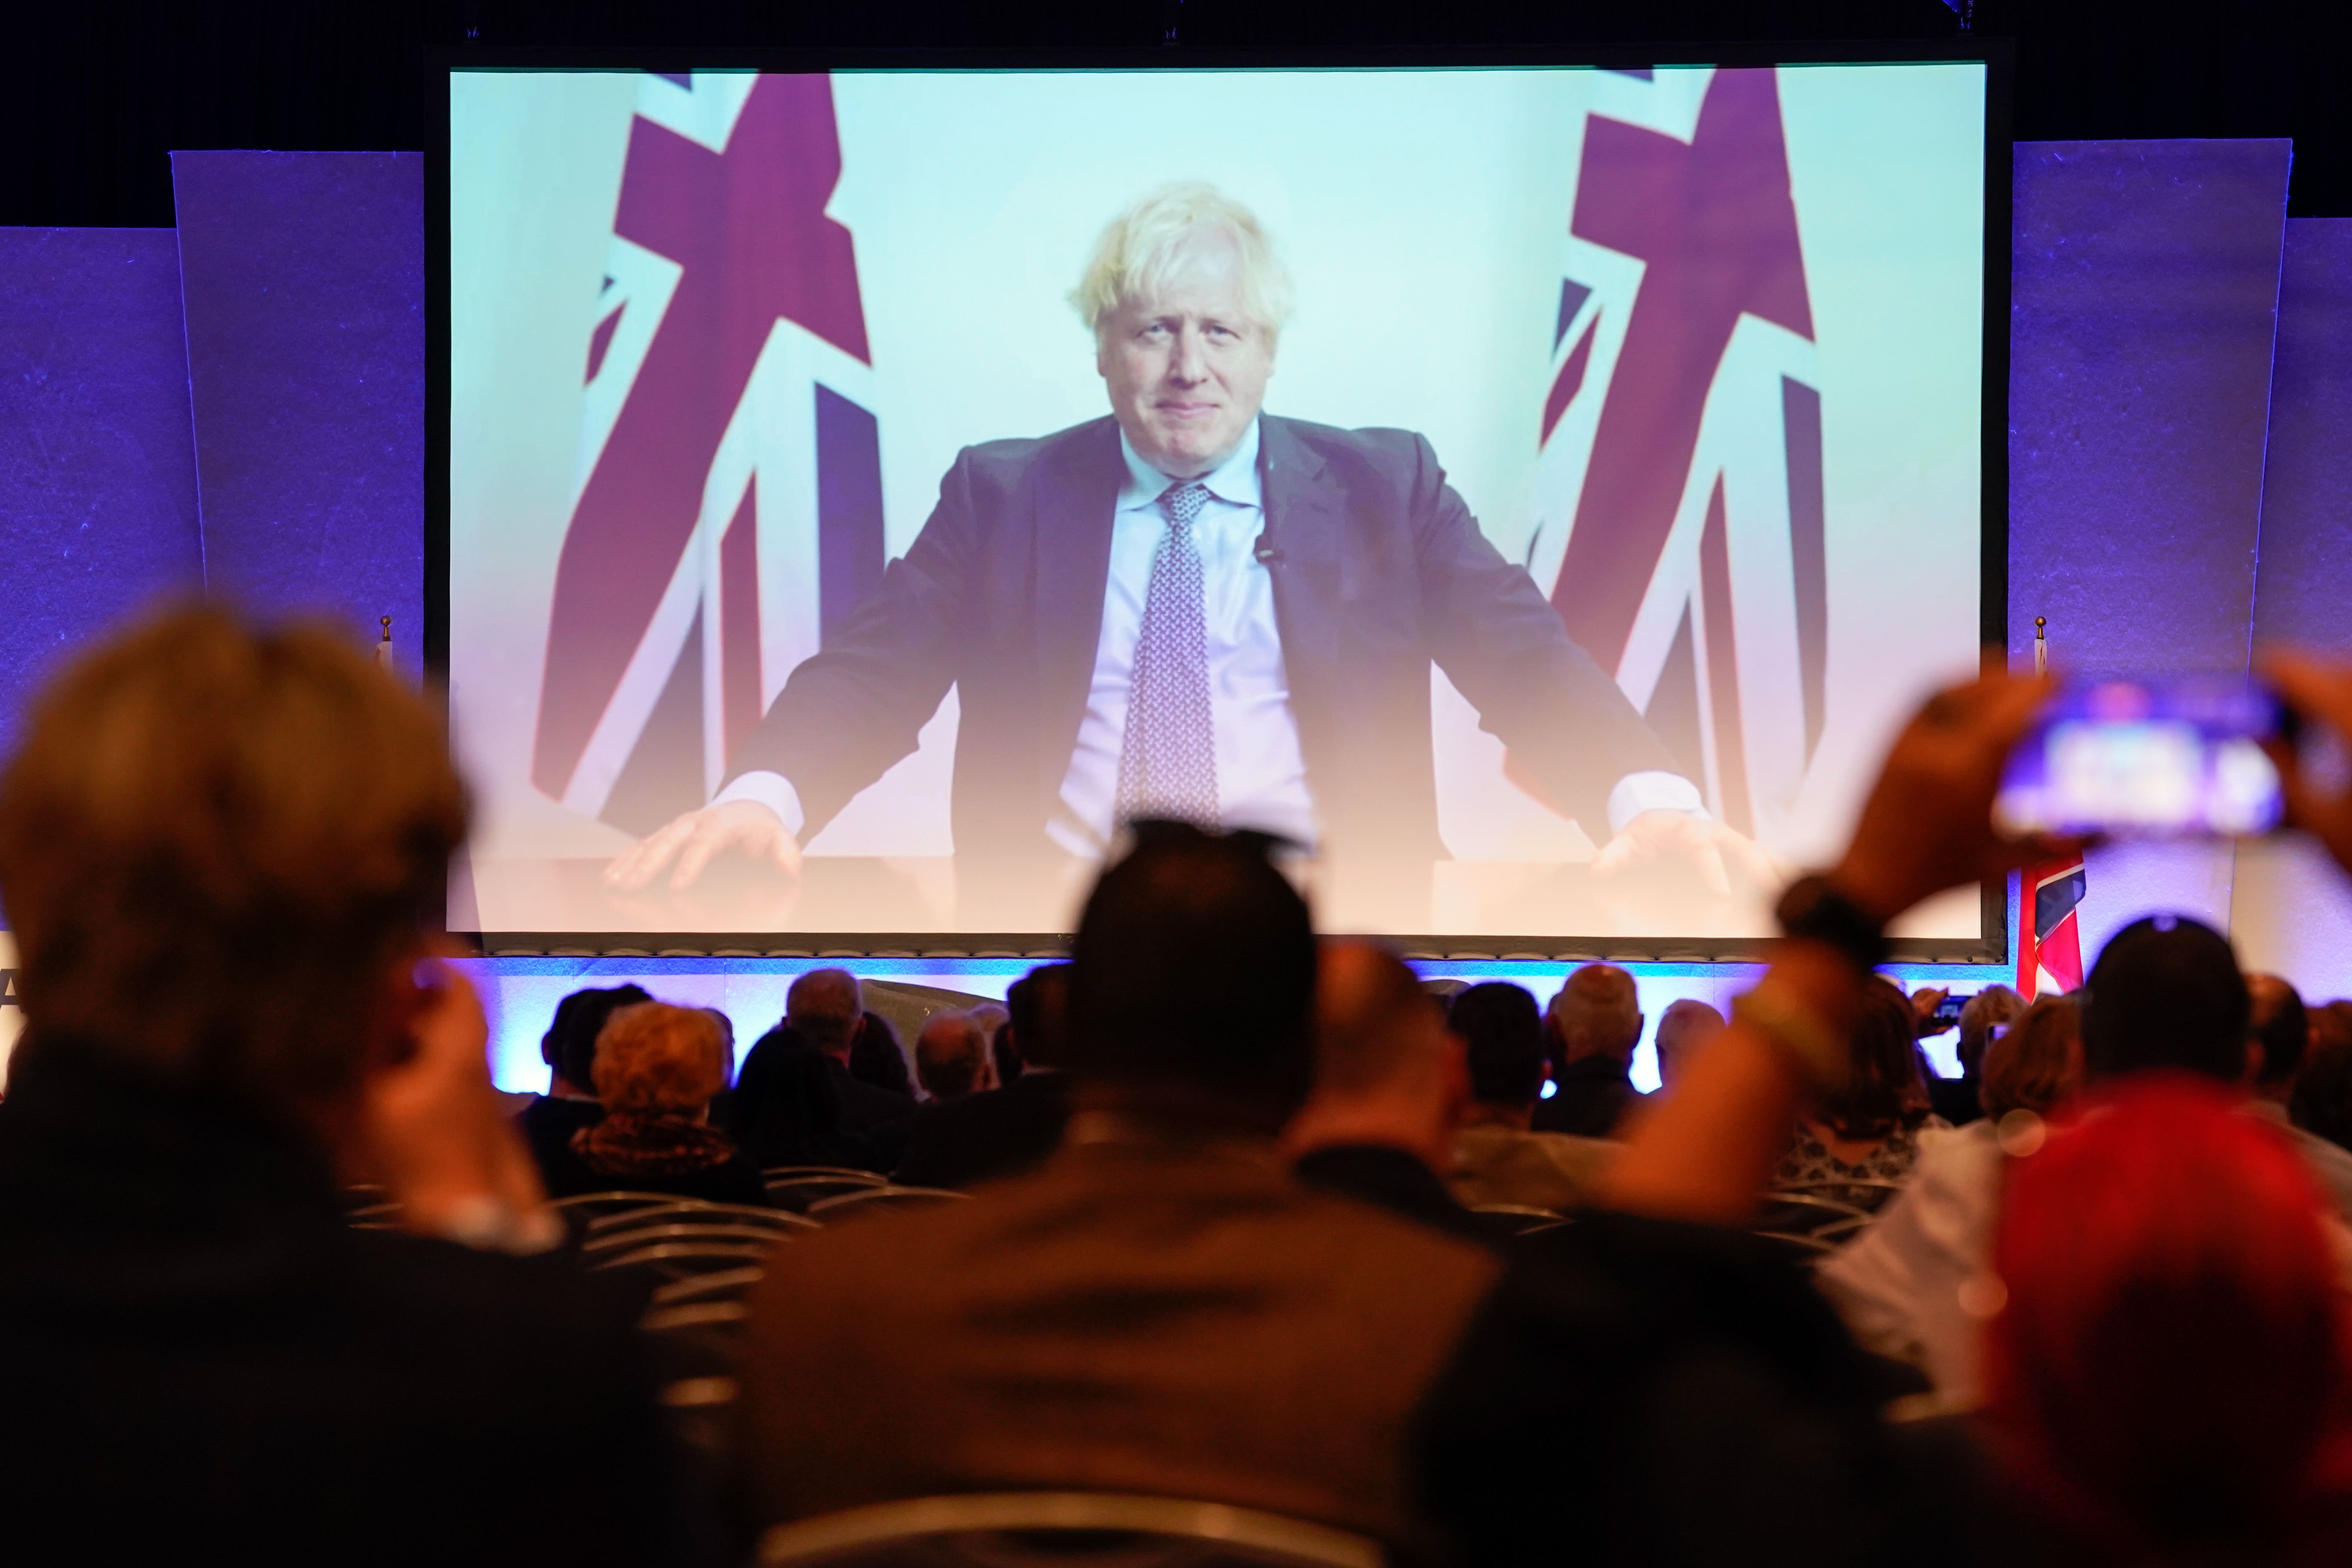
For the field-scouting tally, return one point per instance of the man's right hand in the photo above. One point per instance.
(743, 825)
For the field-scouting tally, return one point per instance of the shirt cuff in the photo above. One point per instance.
(1653, 791)
(775, 792)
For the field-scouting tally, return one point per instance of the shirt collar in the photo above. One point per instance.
(1234, 480)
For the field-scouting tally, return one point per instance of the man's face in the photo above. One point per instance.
(1187, 368)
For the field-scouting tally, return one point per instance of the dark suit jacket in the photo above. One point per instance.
(793, 1105)
(202, 1355)
(1000, 1132)
(1188, 1321)
(1590, 1097)
(1390, 1179)
(1381, 570)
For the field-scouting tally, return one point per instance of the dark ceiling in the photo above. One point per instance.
(99, 93)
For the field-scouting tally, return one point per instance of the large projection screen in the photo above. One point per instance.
(1576, 457)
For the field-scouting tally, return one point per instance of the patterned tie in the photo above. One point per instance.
(1168, 759)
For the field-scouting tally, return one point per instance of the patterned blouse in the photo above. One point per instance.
(1809, 1161)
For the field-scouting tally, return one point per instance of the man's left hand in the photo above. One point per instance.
(1685, 840)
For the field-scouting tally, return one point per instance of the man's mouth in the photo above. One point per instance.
(1187, 410)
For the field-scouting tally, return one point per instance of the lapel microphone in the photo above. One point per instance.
(1267, 556)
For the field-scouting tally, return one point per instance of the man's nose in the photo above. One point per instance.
(1187, 364)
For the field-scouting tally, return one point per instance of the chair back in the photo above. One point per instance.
(697, 1211)
(726, 1285)
(624, 1238)
(795, 1188)
(1516, 1219)
(1061, 1530)
(872, 1199)
(681, 1260)
(1802, 1213)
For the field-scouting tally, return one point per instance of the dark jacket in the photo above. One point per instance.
(1391, 1179)
(202, 1355)
(1379, 569)
(548, 1123)
(1153, 1318)
(796, 1106)
(999, 1132)
(1590, 1099)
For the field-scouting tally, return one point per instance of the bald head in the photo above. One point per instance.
(1386, 1072)
(951, 1056)
(1683, 1029)
(823, 1008)
(1373, 1020)
(1597, 1014)
(2281, 1027)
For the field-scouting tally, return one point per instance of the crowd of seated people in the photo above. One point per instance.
(1216, 1249)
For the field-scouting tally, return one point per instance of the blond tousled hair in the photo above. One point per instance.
(1141, 248)
(654, 1059)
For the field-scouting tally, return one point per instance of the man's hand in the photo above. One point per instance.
(1927, 825)
(2322, 690)
(1924, 1003)
(743, 825)
(1655, 840)
(433, 1121)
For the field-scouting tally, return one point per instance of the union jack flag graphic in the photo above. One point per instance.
(2049, 940)
(1678, 488)
(727, 511)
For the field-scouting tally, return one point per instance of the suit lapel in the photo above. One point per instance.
(1305, 523)
(1071, 530)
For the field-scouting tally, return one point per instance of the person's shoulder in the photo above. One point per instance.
(491, 1308)
(1014, 458)
(1370, 443)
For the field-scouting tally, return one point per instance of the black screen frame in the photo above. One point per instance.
(1993, 943)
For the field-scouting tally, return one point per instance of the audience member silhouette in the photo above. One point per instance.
(2166, 1338)
(1957, 1100)
(1390, 1088)
(1594, 1023)
(2165, 995)
(796, 1101)
(1162, 1306)
(1864, 1128)
(569, 1049)
(1684, 1030)
(222, 851)
(657, 1068)
(1005, 1131)
(2322, 1102)
(1497, 1159)
(951, 1056)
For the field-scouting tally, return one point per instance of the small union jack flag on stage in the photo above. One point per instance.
(2050, 944)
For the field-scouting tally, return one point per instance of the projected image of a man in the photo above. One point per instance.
(1191, 608)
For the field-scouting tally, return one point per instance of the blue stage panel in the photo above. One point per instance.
(2292, 910)
(95, 465)
(2144, 285)
(305, 299)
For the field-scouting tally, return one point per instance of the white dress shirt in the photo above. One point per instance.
(1261, 774)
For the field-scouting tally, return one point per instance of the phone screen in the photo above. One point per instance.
(2163, 756)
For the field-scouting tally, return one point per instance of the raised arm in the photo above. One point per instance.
(1707, 1150)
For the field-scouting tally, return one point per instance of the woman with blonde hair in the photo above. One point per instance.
(656, 1069)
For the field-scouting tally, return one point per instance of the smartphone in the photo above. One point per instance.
(2167, 756)
(1948, 1013)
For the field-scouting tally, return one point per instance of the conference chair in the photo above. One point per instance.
(817, 1180)
(728, 1285)
(587, 1208)
(697, 1211)
(676, 1228)
(1061, 1530)
(1803, 1213)
(683, 1259)
(869, 1200)
(1516, 1219)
